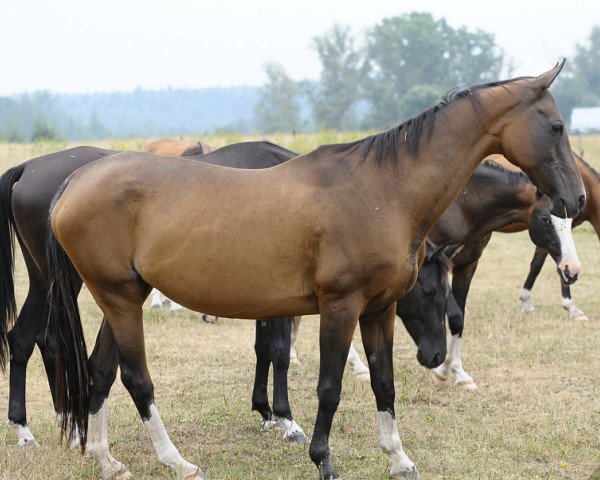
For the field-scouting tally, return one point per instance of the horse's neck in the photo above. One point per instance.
(506, 203)
(444, 164)
(591, 211)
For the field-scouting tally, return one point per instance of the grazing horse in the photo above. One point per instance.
(339, 231)
(26, 192)
(590, 213)
(494, 199)
(177, 148)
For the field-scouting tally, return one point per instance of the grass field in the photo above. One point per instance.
(535, 416)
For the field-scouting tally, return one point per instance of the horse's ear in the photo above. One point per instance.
(448, 249)
(543, 81)
(452, 249)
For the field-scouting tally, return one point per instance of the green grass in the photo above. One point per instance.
(535, 416)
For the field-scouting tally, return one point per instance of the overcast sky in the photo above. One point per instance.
(105, 45)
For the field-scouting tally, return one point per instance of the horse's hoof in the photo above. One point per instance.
(528, 309)
(121, 474)
(297, 437)
(439, 381)
(468, 385)
(363, 377)
(209, 318)
(582, 317)
(195, 476)
(411, 473)
(28, 442)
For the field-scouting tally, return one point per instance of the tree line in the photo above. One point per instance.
(402, 66)
(396, 69)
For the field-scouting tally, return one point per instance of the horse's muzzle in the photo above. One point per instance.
(568, 277)
(430, 361)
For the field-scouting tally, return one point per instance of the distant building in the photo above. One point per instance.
(585, 120)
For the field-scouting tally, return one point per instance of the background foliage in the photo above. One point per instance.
(396, 69)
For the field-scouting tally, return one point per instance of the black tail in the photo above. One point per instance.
(64, 322)
(8, 307)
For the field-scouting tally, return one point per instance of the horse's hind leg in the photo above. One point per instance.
(103, 371)
(279, 352)
(378, 339)
(21, 342)
(122, 307)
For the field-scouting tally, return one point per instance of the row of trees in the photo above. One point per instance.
(402, 66)
(398, 68)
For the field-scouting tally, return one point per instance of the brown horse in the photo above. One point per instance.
(177, 148)
(339, 231)
(590, 213)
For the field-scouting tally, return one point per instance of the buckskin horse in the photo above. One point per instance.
(23, 210)
(339, 231)
(26, 192)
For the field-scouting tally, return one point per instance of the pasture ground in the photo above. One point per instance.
(535, 416)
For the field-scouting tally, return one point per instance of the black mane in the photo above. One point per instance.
(516, 174)
(410, 132)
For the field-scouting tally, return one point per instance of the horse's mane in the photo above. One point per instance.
(410, 132)
(514, 174)
(592, 169)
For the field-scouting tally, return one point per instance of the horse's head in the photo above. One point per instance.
(532, 135)
(423, 309)
(554, 234)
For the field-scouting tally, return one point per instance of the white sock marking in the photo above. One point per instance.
(525, 297)
(26, 438)
(389, 439)
(166, 451)
(358, 367)
(97, 444)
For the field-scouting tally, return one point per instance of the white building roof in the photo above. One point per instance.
(585, 120)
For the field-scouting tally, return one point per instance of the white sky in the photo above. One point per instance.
(105, 45)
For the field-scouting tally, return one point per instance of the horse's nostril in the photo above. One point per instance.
(437, 359)
(581, 202)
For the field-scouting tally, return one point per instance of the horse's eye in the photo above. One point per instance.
(429, 292)
(546, 220)
(557, 128)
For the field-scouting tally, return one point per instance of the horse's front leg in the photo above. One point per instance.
(537, 262)
(377, 330)
(461, 282)
(568, 303)
(338, 321)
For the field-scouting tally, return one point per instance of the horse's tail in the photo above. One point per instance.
(64, 323)
(8, 307)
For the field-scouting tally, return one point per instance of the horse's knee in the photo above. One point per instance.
(329, 399)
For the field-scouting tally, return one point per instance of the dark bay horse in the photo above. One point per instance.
(339, 231)
(30, 199)
(26, 192)
(590, 213)
(494, 199)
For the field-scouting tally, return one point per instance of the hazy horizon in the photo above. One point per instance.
(74, 47)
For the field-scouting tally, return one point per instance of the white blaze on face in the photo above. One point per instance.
(568, 258)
